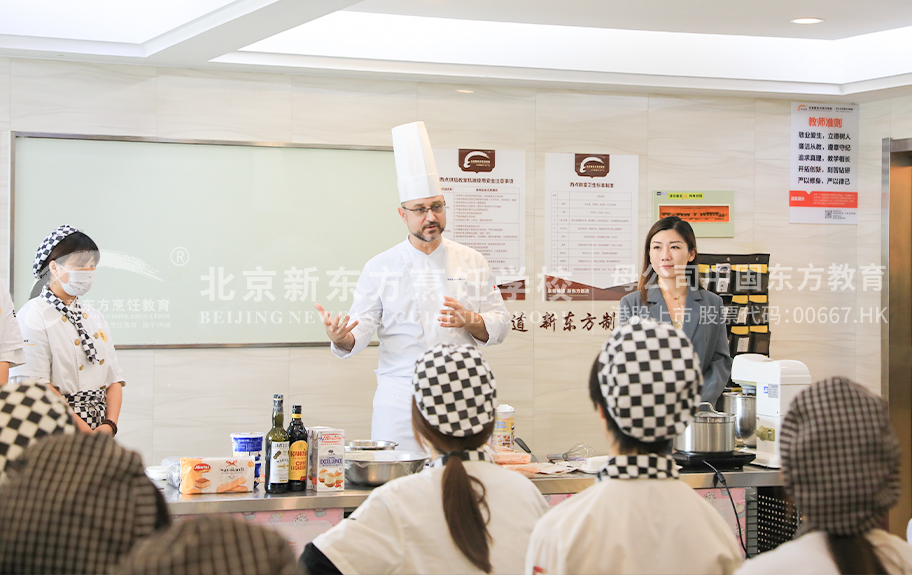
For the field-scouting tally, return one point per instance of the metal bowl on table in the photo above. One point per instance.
(377, 467)
(370, 445)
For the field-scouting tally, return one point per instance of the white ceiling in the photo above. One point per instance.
(745, 46)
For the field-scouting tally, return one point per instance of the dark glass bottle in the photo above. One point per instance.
(297, 449)
(277, 450)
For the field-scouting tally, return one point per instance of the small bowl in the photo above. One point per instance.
(370, 445)
(157, 473)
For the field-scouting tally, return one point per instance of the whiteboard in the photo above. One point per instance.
(206, 244)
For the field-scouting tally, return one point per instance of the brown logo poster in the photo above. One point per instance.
(476, 160)
(591, 165)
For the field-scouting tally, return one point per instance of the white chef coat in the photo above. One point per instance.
(630, 526)
(10, 336)
(54, 351)
(400, 528)
(809, 555)
(399, 295)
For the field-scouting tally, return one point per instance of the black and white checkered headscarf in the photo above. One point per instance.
(639, 466)
(48, 245)
(74, 504)
(28, 413)
(840, 458)
(455, 389)
(75, 315)
(212, 544)
(650, 377)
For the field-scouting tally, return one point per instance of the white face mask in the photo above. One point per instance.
(80, 281)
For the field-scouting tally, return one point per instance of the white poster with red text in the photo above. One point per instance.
(823, 172)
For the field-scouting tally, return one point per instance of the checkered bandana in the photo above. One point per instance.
(646, 466)
(48, 245)
(471, 455)
(840, 458)
(75, 315)
(650, 377)
(91, 406)
(74, 504)
(455, 389)
(29, 412)
(212, 544)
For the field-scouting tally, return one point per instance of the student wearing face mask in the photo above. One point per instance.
(68, 344)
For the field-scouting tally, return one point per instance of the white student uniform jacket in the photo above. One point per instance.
(10, 336)
(54, 353)
(399, 296)
(400, 528)
(627, 526)
(809, 555)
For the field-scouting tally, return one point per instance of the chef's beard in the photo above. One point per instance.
(420, 235)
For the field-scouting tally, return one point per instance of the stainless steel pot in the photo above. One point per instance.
(709, 432)
(744, 408)
(377, 467)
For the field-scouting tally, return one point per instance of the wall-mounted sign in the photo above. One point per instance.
(710, 213)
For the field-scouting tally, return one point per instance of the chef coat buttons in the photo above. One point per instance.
(101, 362)
(80, 367)
(76, 341)
(85, 315)
(63, 318)
(95, 335)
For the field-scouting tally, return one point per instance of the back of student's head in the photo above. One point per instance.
(646, 381)
(453, 411)
(841, 464)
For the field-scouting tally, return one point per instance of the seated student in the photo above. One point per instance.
(28, 413)
(639, 518)
(211, 544)
(75, 504)
(841, 465)
(464, 514)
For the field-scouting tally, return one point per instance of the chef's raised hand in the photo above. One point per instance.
(454, 315)
(338, 329)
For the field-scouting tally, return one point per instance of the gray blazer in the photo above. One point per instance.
(709, 336)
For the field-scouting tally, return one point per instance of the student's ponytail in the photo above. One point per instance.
(464, 505)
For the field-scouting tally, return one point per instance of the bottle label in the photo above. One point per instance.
(297, 467)
(278, 467)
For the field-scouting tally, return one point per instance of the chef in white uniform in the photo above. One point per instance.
(11, 345)
(639, 517)
(465, 514)
(423, 291)
(68, 344)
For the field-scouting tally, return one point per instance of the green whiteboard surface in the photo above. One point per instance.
(169, 216)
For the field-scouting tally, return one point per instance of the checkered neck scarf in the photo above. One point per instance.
(455, 389)
(650, 377)
(642, 466)
(471, 455)
(75, 315)
(74, 504)
(211, 544)
(29, 412)
(840, 458)
(48, 245)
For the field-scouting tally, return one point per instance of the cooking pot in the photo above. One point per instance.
(709, 432)
(744, 408)
(377, 467)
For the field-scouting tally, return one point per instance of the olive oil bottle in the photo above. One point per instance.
(277, 450)
(297, 449)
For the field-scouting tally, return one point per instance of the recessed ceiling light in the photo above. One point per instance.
(806, 21)
(466, 91)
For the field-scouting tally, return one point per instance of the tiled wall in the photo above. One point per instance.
(184, 402)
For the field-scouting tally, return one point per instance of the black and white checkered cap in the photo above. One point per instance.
(650, 377)
(29, 412)
(840, 457)
(455, 389)
(212, 544)
(48, 245)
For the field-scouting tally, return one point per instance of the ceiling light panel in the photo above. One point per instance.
(130, 21)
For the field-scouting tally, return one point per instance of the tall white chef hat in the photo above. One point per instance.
(415, 165)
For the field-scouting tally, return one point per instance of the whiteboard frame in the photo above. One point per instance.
(56, 136)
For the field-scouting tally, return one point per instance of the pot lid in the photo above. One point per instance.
(706, 414)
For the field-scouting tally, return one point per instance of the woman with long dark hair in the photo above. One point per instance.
(669, 291)
(464, 514)
(841, 465)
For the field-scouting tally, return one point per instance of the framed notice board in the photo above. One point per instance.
(710, 213)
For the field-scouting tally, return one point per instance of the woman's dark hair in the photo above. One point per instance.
(648, 275)
(464, 502)
(854, 554)
(75, 243)
(626, 443)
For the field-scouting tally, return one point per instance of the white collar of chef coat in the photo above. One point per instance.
(412, 252)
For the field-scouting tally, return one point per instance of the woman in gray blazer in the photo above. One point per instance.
(669, 291)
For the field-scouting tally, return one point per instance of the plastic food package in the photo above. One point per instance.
(216, 474)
